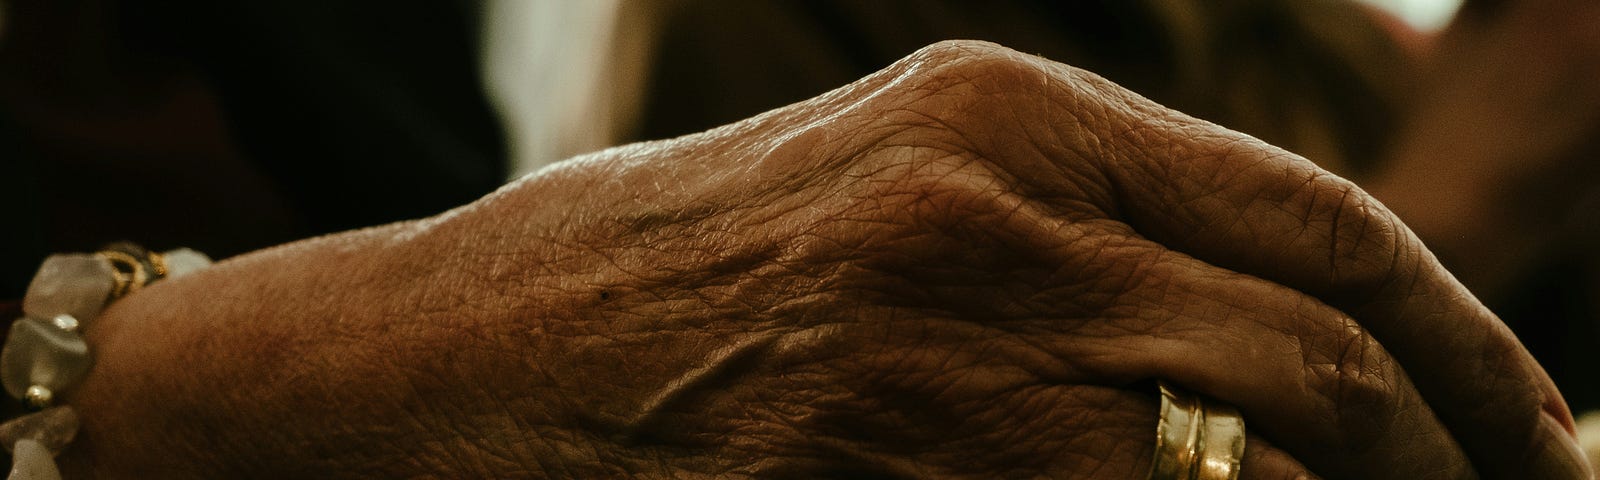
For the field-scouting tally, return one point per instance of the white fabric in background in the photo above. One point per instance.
(552, 69)
(567, 75)
(1423, 15)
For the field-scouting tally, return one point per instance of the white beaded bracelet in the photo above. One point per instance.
(45, 352)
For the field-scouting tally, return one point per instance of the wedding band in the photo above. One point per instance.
(1196, 438)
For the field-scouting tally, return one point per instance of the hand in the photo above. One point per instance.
(962, 266)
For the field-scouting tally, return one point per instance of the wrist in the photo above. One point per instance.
(46, 356)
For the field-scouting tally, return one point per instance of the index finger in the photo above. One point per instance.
(1091, 148)
(1239, 203)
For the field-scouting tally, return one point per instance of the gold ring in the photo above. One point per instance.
(1196, 439)
(128, 273)
(158, 265)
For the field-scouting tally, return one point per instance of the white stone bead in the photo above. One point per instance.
(31, 461)
(39, 354)
(74, 284)
(66, 322)
(184, 261)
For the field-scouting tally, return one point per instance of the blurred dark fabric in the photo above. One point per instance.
(21, 245)
(1555, 310)
(230, 126)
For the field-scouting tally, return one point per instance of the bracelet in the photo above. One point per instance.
(45, 352)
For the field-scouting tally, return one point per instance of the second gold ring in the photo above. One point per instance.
(1196, 438)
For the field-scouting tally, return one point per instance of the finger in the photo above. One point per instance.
(1240, 204)
(908, 396)
(1302, 373)
(1263, 460)
(1092, 432)
(1274, 215)
(1040, 431)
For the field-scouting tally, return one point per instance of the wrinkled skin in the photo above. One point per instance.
(968, 265)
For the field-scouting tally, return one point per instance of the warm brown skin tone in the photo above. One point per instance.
(958, 267)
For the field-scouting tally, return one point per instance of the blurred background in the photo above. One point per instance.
(565, 76)
(231, 126)
(1425, 15)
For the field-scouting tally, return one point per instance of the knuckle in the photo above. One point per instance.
(1353, 374)
(1367, 245)
(989, 67)
(1036, 119)
(933, 188)
(952, 52)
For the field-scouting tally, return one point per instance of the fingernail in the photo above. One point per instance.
(1559, 456)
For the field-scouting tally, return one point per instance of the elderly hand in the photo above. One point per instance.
(967, 265)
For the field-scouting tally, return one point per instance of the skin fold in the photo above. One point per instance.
(968, 265)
